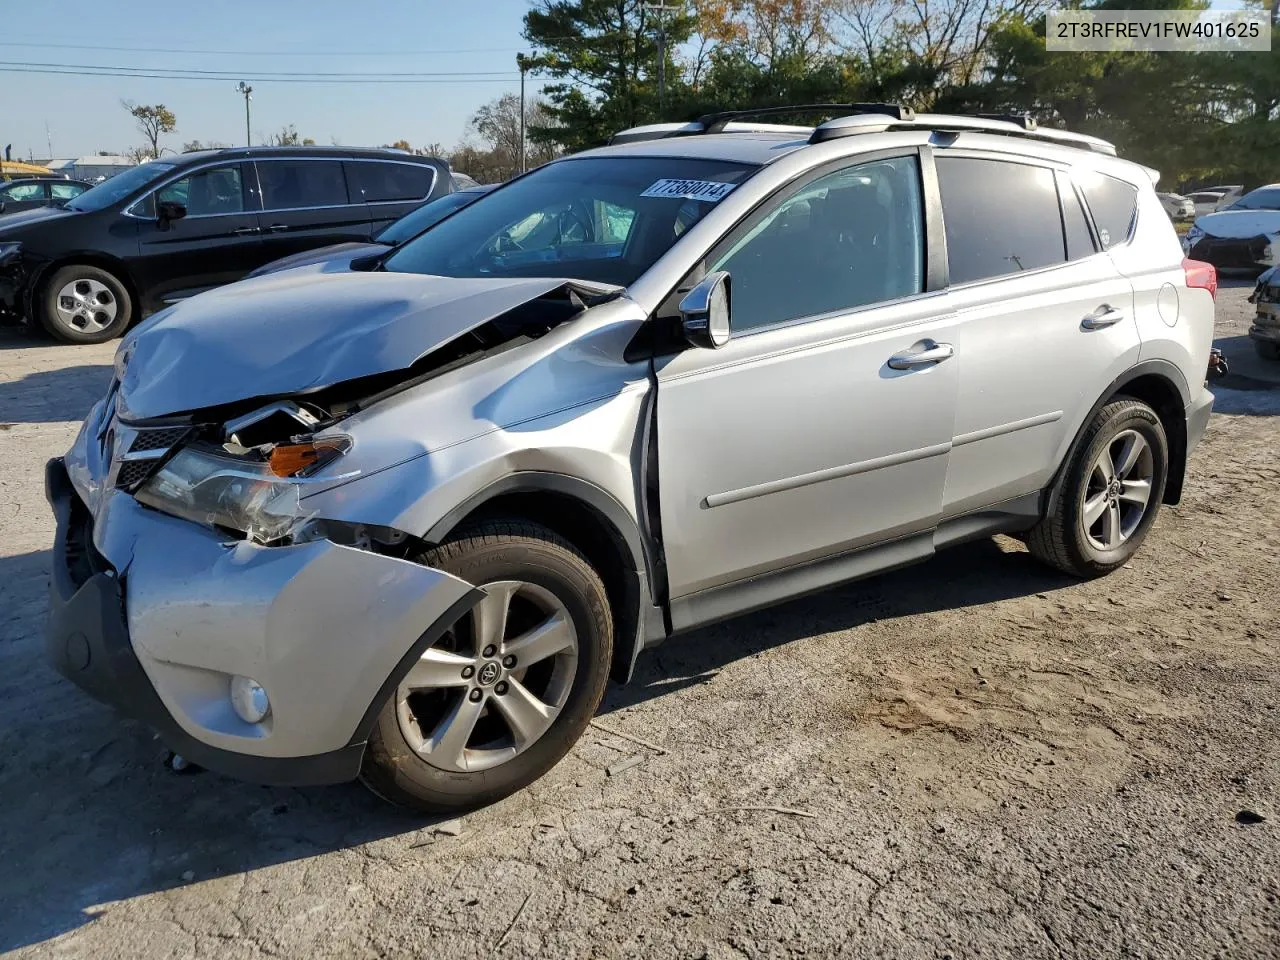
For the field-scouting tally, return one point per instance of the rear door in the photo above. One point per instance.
(24, 196)
(389, 188)
(217, 241)
(1045, 323)
(306, 204)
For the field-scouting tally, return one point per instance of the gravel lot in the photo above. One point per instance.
(972, 757)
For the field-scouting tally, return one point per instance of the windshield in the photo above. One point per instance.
(119, 186)
(1268, 198)
(429, 214)
(602, 219)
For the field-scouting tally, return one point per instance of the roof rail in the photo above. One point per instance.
(856, 118)
(716, 122)
(1013, 126)
(712, 123)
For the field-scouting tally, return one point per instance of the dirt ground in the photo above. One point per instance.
(969, 758)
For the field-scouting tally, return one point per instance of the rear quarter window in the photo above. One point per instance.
(1114, 205)
(375, 181)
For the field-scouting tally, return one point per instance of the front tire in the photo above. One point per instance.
(1110, 495)
(506, 692)
(84, 304)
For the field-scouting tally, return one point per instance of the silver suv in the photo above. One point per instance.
(401, 518)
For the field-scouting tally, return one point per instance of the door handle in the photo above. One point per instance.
(933, 352)
(1104, 316)
(244, 231)
(278, 227)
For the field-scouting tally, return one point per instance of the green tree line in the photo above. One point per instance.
(612, 64)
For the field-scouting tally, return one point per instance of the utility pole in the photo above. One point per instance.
(659, 9)
(523, 63)
(247, 91)
(48, 139)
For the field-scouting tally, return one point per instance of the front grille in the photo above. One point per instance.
(133, 472)
(1242, 252)
(160, 438)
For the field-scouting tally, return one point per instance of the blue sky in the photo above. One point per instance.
(332, 36)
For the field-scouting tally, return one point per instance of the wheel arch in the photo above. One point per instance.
(1160, 385)
(597, 524)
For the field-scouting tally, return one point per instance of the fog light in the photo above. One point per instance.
(249, 700)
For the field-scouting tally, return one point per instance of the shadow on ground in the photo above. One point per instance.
(90, 814)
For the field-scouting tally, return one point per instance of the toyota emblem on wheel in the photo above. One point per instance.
(489, 673)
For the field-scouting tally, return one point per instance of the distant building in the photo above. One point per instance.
(90, 168)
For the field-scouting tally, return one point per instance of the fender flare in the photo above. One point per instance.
(1155, 366)
(650, 619)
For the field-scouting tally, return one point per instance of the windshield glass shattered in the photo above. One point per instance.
(605, 219)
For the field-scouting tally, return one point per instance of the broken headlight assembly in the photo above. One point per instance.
(253, 491)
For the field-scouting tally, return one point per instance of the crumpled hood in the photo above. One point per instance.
(292, 332)
(1240, 224)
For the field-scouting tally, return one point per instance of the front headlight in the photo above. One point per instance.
(259, 497)
(1194, 234)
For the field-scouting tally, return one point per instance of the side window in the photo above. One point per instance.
(25, 191)
(848, 239)
(206, 192)
(375, 181)
(1113, 203)
(615, 221)
(1000, 217)
(290, 184)
(65, 191)
(1079, 242)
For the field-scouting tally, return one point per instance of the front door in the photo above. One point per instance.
(800, 440)
(217, 241)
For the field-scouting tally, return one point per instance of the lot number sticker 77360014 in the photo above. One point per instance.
(708, 190)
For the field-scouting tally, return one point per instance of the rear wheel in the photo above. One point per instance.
(84, 304)
(1267, 349)
(503, 695)
(1111, 493)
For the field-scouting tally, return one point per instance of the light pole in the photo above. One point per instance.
(247, 90)
(659, 9)
(523, 63)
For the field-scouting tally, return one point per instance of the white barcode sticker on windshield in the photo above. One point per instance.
(708, 190)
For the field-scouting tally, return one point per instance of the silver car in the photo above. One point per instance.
(402, 519)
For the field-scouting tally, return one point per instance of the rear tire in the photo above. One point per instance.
(1110, 493)
(549, 588)
(84, 304)
(1267, 349)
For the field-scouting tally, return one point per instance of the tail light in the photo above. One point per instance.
(1201, 276)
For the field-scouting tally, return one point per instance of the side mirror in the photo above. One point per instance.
(169, 210)
(704, 312)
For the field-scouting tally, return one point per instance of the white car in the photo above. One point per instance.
(1245, 234)
(1177, 206)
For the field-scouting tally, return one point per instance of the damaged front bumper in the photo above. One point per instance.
(155, 616)
(13, 287)
(1266, 324)
(1239, 252)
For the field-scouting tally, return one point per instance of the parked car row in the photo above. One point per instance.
(156, 234)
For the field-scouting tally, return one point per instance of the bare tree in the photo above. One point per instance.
(152, 121)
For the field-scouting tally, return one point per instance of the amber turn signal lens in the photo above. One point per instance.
(291, 459)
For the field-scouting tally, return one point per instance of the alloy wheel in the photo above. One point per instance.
(87, 305)
(1118, 491)
(494, 684)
